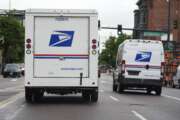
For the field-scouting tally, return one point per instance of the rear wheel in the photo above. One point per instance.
(33, 95)
(149, 91)
(158, 91)
(90, 95)
(86, 96)
(94, 96)
(120, 88)
(114, 87)
(28, 94)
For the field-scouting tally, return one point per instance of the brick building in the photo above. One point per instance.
(153, 14)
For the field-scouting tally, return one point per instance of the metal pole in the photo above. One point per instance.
(169, 20)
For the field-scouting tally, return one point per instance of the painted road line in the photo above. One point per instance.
(11, 88)
(10, 100)
(113, 98)
(138, 115)
(13, 80)
(103, 81)
(171, 97)
(101, 90)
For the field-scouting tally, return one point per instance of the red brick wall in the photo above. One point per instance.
(176, 16)
(157, 15)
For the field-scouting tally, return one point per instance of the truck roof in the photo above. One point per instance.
(67, 11)
(142, 41)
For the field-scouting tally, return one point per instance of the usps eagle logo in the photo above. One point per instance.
(143, 57)
(61, 39)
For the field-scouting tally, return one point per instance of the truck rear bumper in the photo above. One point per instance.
(61, 90)
(141, 82)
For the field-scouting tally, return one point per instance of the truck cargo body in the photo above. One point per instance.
(60, 56)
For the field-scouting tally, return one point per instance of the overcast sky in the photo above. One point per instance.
(111, 12)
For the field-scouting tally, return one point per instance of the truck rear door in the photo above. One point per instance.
(61, 47)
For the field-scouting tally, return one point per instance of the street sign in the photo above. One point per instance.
(154, 34)
(168, 46)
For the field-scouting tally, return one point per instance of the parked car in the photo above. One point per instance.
(176, 78)
(22, 69)
(12, 70)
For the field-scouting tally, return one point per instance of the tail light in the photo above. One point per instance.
(94, 41)
(93, 46)
(28, 46)
(123, 65)
(162, 67)
(28, 40)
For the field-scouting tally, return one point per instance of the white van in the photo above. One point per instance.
(139, 64)
(61, 53)
(176, 78)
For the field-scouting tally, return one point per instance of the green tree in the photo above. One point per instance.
(108, 55)
(12, 46)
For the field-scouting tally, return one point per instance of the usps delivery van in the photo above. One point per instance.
(61, 53)
(139, 64)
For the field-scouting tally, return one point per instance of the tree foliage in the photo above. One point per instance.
(108, 55)
(12, 45)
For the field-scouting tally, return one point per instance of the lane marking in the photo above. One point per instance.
(10, 100)
(103, 81)
(113, 98)
(14, 80)
(101, 90)
(138, 115)
(171, 97)
(10, 89)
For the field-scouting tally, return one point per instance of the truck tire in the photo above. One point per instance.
(120, 88)
(114, 87)
(86, 96)
(158, 91)
(37, 95)
(94, 96)
(28, 95)
(149, 91)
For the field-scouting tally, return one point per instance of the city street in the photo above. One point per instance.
(131, 105)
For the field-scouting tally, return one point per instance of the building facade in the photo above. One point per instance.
(153, 15)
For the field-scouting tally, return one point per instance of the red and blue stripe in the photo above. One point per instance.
(59, 56)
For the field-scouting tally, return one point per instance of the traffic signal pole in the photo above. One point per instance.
(133, 29)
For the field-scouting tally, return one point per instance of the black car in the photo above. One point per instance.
(11, 70)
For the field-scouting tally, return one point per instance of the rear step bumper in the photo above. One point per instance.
(141, 82)
(62, 90)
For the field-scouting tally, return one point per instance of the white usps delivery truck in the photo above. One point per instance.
(139, 64)
(61, 53)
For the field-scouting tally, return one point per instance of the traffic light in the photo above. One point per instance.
(99, 24)
(119, 29)
(175, 24)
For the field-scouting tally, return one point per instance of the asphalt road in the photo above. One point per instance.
(132, 105)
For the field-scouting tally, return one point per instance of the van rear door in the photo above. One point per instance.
(143, 60)
(61, 47)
